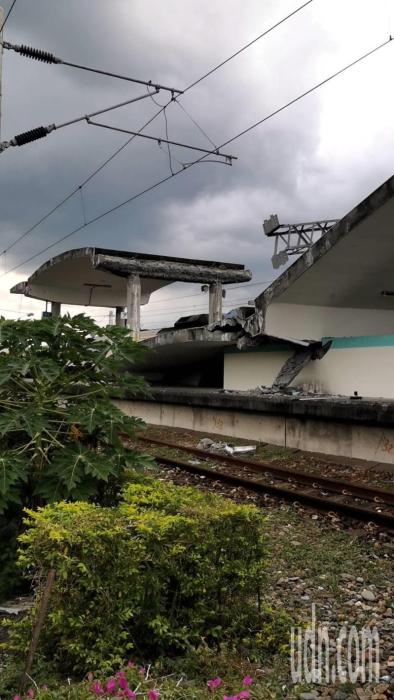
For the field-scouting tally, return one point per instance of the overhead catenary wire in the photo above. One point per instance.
(168, 142)
(197, 294)
(247, 46)
(175, 297)
(7, 16)
(199, 127)
(126, 143)
(226, 143)
(191, 310)
(76, 189)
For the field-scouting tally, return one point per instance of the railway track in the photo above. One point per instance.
(351, 499)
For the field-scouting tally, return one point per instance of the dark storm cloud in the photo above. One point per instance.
(284, 166)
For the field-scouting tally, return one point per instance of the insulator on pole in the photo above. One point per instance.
(38, 55)
(31, 135)
(30, 52)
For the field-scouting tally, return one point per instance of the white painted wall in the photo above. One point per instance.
(315, 322)
(370, 371)
(247, 370)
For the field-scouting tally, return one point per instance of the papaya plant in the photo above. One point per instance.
(60, 433)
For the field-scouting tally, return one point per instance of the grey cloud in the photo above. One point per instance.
(210, 210)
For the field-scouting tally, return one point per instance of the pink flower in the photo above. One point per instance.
(142, 670)
(97, 688)
(127, 693)
(122, 680)
(17, 697)
(244, 695)
(248, 680)
(130, 664)
(153, 694)
(30, 693)
(214, 683)
(111, 686)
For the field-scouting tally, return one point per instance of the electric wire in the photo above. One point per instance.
(308, 92)
(231, 140)
(77, 189)
(197, 294)
(237, 53)
(7, 16)
(199, 127)
(167, 138)
(126, 143)
(198, 308)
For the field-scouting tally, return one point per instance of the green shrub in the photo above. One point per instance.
(164, 570)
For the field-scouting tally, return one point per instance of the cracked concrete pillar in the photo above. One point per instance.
(56, 308)
(134, 305)
(215, 302)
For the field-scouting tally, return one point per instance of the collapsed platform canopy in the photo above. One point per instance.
(349, 266)
(98, 277)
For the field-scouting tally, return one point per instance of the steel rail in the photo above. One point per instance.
(350, 510)
(340, 487)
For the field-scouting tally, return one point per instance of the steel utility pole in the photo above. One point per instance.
(1, 57)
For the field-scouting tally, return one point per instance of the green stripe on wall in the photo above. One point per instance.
(361, 341)
(274, 347)
(357, 341)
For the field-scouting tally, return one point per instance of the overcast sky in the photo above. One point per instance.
(316, 159)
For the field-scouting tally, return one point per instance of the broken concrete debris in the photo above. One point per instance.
(225, 447)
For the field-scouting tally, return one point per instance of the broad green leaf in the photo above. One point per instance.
(56, 414)
(9, 422)
(12, 470)
(50, 369)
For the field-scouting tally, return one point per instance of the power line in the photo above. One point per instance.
(197, 294)
(170, 300)
(167, 141)
(74, 191)
(231, 140)
(198, 308)
(230, 58)
(47, 57)
(204, 133)
(308, 92)
(7, 16)
(118, 150)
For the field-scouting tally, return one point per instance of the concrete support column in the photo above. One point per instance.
(215, 302)
(118, 316)
(134, 305)
(56, 308)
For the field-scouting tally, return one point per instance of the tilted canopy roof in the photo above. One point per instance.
(349, 266)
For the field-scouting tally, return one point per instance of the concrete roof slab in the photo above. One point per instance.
(75, 277)
(349, 266)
